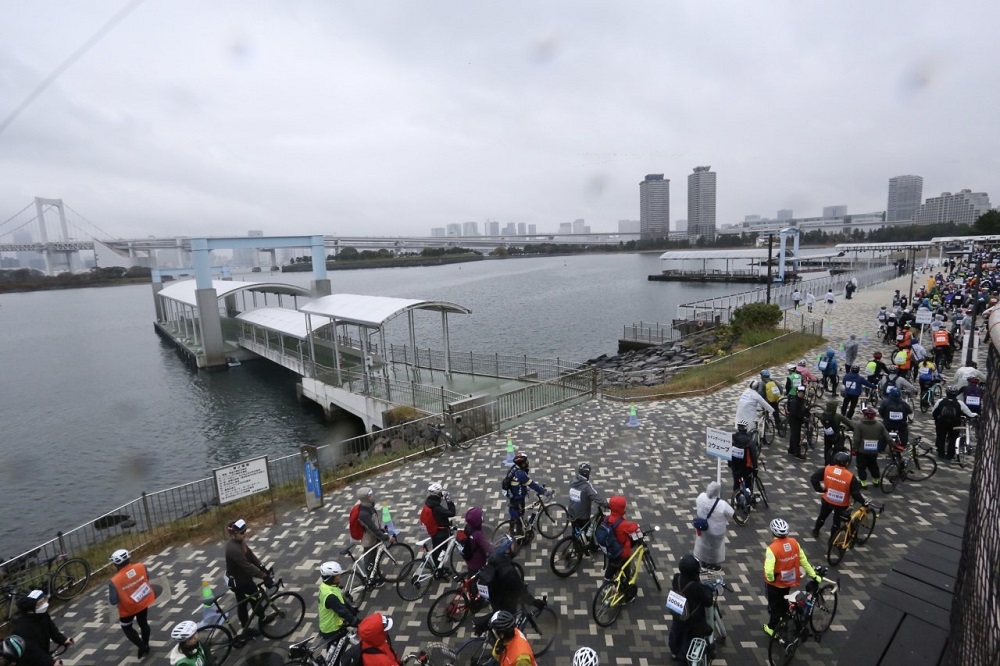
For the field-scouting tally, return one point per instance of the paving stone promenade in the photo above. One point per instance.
(660, 467)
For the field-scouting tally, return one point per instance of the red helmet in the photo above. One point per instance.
(869, 411)
(973, 380)
(877, 355)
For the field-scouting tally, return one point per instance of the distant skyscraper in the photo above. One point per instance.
(962, 208)
(565, 228)
(509, 229)
(831, 212)
(905, 195)
(532, 229)
(470, 228)
(785, 214)
(453, 230)
(438, 232)
(522, 228)
(654, 206)
(492, 228)
(628, 226)
(701, 203)
(681, 226)
(579, 226)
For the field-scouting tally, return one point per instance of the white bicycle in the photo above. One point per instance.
(437, 563)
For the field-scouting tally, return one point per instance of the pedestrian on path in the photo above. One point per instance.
(850, 350)
(810, 300)
(710, 544)
(796, 298)
(129, 589)
(830, 300)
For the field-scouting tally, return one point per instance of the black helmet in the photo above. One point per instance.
(584, 470)
(502, 623)
(855, 368)
(26, 603)
(689, 566)
(951, 391)
(521, 459)
(842, 458)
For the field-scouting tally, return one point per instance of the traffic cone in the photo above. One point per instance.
(387, 520)
(509, 459)
(209, 613)
(633, 417)
(827, 331)
(864, 337)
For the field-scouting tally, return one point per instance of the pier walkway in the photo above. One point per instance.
(660, 466)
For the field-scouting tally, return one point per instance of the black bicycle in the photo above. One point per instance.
(550, 519)
(746, 498)
(445, 437)
(566, 557)
(809, 615)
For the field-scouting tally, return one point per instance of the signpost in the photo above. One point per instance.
(310, 472)
(243, 479)
(719, 445)
(924, 316)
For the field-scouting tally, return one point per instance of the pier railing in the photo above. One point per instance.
(500, 366)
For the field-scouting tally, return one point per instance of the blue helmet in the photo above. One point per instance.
(892, 392)
(765, 374)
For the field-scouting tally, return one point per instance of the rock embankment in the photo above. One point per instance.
(654, 365)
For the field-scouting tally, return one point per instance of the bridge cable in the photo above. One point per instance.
(17, 214)
(8, 233)
(69, 208)
(68, 62)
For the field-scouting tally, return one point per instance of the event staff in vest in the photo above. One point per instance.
(838, 485)
(242, 567)
(131, 591)
(942, 344)
(870, 437)
(335, 614)
(782, 560)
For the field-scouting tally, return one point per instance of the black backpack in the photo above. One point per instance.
(505, 484)
(606, 540)
(950, 411)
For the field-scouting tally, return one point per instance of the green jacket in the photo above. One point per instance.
(869, 430)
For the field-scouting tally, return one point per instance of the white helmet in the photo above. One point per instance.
(779, 527)
(184, 630)
(120, 556)
(328, 569)
(754, 384)
(435, 488)
(585, 656)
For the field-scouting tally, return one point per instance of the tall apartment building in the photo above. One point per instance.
(470, 228)
(509, 229)
(785, 214)
(522, 228)
(492, 228)
(654, 206)
(681, 227)
(830, 212)
(701, 203)
(580, 227)
(905, 195)
(453, 230)
(438, 232)
(565, 228)
(962, 208)
(532, 229)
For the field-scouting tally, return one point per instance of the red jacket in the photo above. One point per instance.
(625, 528)
(373, 637)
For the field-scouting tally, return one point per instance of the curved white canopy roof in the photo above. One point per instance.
(283, 320)
(184, 291)
(372, 311)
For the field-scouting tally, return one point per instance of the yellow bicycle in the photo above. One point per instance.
(610, 597)
(857, 529)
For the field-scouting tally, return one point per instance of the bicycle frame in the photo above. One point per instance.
(443, 551)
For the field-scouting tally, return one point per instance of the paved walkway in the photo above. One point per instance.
(660, 467)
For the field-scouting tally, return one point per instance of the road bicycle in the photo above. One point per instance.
(907, 463)
(539, 625)
(701, 650)
(277, 613)
(66, 581)
(809, 615)
(445, 437)
(436, 654)
(965, 443)
(327, 654)
(567, 555)
(942, 358)
(856, 529)
(930, 396)
(550, 519)
(610, 597)
(746, 498)
(388, 558)
(437, 563)
(766, 428)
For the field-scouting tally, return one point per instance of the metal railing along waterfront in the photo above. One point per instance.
(652, 333)
(397, 392)
(500, 366)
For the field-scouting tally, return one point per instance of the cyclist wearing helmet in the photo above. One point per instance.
(770, 391)
(803, 369)
(895, 413)
(15, 650)
(130, 590)
(870, 437)
(972, 395)
(697, 599)
(519, 483)
(798, 412)
(370, 520)
(947, 413)
(441, 509)
(832, 422)
(242, 567)
(829, 369)
(501, 583)
(793, 381)
(582, 497)
(894, 378)
(744, 456)
(375, 646)
(782, 560)
(189, 651)
(586, 656)
(838, 485)
(747, 405)
(335, 613)
(875, 369)
(854, 386)
(511, 647)
(35, 625)
(963, 374)
(891, 322)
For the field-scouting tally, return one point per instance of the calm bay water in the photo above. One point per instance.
(95, 408)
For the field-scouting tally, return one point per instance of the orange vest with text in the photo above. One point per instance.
(517, 647)
(942, 338)
(786, 562)
(135, 594)
(837, 481)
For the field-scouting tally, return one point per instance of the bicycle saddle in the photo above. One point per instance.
(346, 551)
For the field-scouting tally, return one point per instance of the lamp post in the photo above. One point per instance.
(770, 248)
(975, 307)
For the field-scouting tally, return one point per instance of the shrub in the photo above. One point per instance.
(755, 317)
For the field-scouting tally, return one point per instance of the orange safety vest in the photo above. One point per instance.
(837, 481)
(517, 647)
(942, 338)
(135, 594)
(906, 341)
(907, 359)
(786, 562)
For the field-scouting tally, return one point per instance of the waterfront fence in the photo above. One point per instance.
(500, 366)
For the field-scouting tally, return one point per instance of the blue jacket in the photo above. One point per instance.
(831, 364)
(855, 384)
(520, 484)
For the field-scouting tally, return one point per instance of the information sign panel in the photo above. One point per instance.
(924, 316)
(241, 479)
(719, 443)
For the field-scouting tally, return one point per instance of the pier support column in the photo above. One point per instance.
(320, 285)
(207, 300)
(161, 315)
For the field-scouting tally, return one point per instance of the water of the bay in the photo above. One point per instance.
(95, 408)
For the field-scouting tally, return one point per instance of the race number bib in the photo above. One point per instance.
(828, 431)
(871, 445)
(972, 400)
(574, 495)
(775, 390)
(483, 590)
(141, 592)
(788, 576)
(851, 385)
(895, 416)
(635, 536)
(737, 453)
(822, 365)
(676, 603)
(835, 496)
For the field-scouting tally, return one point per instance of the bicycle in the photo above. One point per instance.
(567, 555)
(434, 564)
(304, 654)
(436, 654)
(745, 499)
(540, 626)
(610, 597)
(68, 581)
(809, 615)
(700, 650)
(450, 609)
(766, 428)
(965, 443)
(389, 561)
(551, 519)
(930, 396)
(912, 467)
(278, 614)
(942, 358)
(856, 529)
(434, 447)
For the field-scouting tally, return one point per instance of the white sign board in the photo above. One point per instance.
(241, 479)
(719, 443)
(924, 316)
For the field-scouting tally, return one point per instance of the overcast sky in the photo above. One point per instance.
(199, 117)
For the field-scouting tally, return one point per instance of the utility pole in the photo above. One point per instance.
(911, 267)
(975, 307)
(770, 248)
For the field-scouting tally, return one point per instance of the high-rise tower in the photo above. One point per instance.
(654, 206)
(701, 203)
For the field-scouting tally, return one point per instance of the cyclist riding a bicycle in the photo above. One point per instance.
(335, 613)
(854, 386)
(373, 532)
(189, 651)
(690, 616)
(517, 484)
(838, 485)
(375, 645)
(971, 395)
(35, 625)
(870, 437)
(927, 376)
(582, 497)
(436, 515)
(242, 567)
(748, 404)
(771, 392)
(744, 456)
(503, 585)
(875, 369)
(831, 423)
(783, 559)
(511, 647)
(626, 533)
(896, 414)
(942, 345)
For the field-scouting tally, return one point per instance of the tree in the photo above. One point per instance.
(348, 254)
(988, 223)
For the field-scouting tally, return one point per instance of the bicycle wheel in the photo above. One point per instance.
(566, 557)
(433, 447)
(447, 613)
(70, 579)
(541, 629)
(607, 604)
(552, 521)
(768, 435)
(474, 652)
(837, 547)
(650, 565)
(415, 580)
(392, 562)
(867, 526)
(283, 615)
(759, 485)
(784, 643)
(218, 641)
(503, 537)
(459, 440)
(355, 588)
(921, 468)
(824, 610)
(890, 478)
(741, 508)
